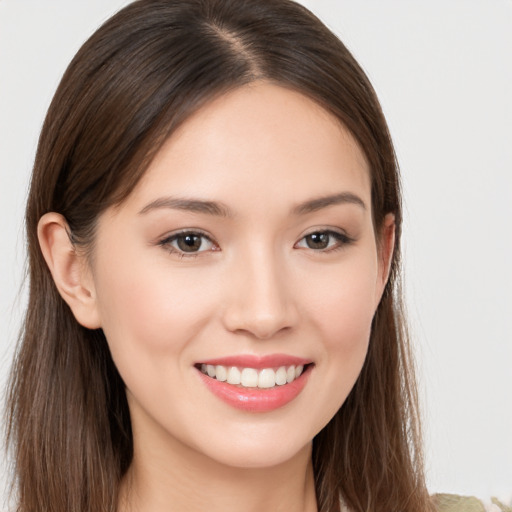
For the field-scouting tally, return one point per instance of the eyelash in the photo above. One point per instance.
(166, 243)
(342, 240)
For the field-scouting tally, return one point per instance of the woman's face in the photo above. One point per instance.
(245, 253)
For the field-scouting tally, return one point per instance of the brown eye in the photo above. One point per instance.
(323, 241)
(188, 243)
(318, 240)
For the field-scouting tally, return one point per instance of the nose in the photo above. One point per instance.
(261, 300)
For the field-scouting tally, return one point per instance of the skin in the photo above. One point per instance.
(255, 286)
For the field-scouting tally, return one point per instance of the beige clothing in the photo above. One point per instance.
(455, 503)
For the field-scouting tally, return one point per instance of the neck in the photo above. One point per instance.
(180, 479)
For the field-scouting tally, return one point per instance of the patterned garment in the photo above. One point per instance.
(455, 503)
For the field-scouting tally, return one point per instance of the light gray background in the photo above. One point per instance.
(443, 72)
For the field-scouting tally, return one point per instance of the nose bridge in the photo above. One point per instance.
(261, 302)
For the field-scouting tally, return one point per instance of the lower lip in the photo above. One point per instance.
(256, 399)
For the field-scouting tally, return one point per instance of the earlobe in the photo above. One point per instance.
(69, 269)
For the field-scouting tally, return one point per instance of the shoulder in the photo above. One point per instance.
(456, 503)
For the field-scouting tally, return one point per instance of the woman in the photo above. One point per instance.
(214, 317)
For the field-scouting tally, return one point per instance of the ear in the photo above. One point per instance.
(386, 246)
(69, 269)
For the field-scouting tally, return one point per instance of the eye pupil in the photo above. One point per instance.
(318, 240)
(189, 243)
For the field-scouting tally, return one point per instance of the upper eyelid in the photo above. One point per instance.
(334, 231)
(187, 231)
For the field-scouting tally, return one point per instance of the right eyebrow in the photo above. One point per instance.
(188, 204)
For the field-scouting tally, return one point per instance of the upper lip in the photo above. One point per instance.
(258, 362)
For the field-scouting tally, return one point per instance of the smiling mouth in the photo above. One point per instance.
(264, 378)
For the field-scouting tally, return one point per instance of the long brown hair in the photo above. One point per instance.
(142, 74)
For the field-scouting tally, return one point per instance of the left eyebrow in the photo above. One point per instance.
(319, 203)
(189, 204)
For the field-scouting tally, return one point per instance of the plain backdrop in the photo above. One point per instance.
(443, 72)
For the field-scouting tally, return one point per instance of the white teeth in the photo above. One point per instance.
(221, 373)
(252, 378)
(249, 378)
(234, 375)
(281, 376)
(267, 378)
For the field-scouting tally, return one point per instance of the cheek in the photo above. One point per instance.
(342, 303)
(341, 308)
(148, 312)
(346, 318)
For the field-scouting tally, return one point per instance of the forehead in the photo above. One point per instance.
(252, 140)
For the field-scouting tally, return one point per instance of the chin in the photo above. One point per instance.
(251, 446)
(260, 456)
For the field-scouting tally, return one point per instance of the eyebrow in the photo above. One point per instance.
(190, 205)
(319, 203)
(221, 210)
